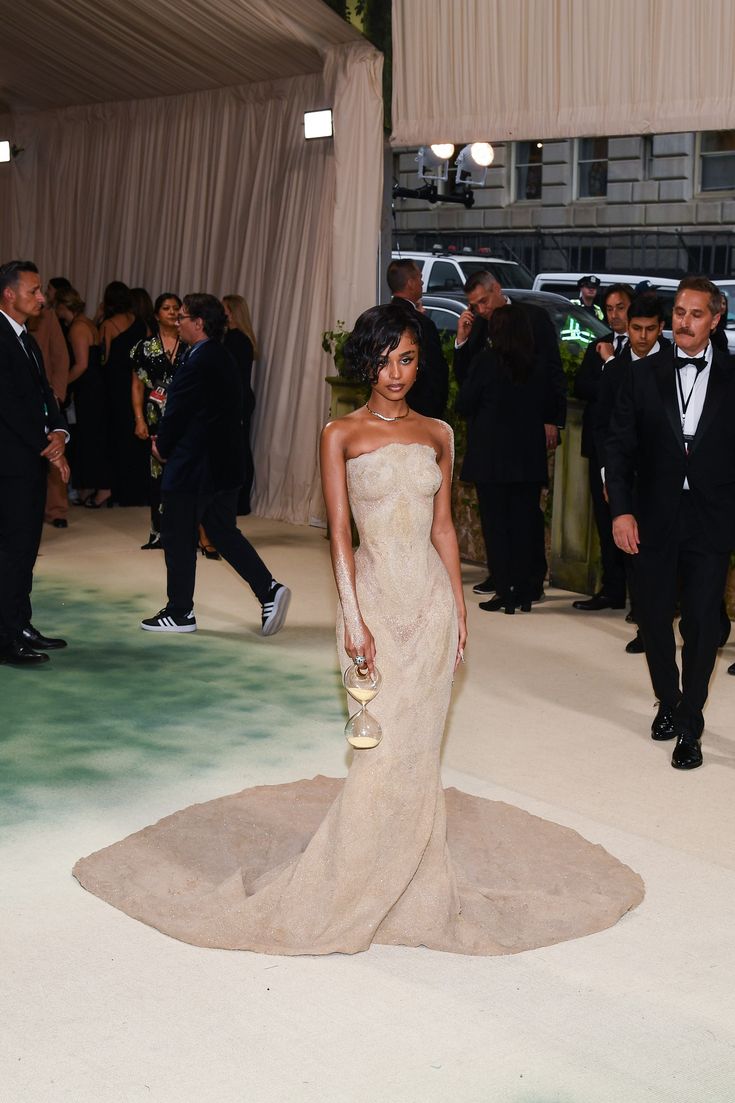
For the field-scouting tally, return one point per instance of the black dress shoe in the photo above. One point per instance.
(31, 637)
(60, 523)
(687, 753)
(731, 668)
(19, 654)
(635, 646)
(664, 726)
(486, 587)
(597, 601)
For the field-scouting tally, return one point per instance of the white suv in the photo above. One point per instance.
(444, 272)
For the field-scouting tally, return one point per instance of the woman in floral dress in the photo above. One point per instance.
(154, 362)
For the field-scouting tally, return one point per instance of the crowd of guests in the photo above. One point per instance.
(111, 371)
(657, 434)
(150, 402)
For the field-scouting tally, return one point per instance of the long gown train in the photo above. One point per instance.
(387, 856)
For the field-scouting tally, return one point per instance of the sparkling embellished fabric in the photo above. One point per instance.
(387, 856)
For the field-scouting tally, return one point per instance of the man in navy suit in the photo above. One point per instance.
(32, 435)
(200, 442)
(670, 476)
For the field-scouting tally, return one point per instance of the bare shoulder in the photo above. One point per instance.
(337, 433)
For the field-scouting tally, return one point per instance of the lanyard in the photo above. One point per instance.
(684, 402)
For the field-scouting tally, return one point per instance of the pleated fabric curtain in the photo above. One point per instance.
(218, 191)
(469, 70)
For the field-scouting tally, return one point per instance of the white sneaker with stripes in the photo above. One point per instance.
(275, 608)
(167, 622)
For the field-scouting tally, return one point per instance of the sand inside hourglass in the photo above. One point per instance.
(363, 694)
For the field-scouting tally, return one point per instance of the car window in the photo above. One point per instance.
(728, 290)
(444, 276)
(442, 319)
(568, 290)
(507, 275)
(575, 326)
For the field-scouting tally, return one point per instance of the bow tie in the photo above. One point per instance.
(699, 362)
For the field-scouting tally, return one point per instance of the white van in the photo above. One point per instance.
(565, 283)
(450, 271)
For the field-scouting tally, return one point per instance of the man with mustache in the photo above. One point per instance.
(670, 475)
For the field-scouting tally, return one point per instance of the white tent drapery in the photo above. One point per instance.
(217, 190)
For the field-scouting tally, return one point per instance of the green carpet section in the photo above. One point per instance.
(120, 708)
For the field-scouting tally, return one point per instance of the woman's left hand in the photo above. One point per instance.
(461, 638)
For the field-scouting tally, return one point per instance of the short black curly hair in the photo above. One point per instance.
(377, 332)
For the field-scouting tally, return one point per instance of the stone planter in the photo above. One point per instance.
(575, 553)
(346, 396)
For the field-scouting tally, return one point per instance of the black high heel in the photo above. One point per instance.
(89, 503)
(209, 552)
(154, 541)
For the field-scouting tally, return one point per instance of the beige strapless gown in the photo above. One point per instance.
(330, 866)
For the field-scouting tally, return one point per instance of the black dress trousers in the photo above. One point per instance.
(180, 519)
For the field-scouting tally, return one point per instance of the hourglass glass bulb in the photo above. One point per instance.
(361, 685)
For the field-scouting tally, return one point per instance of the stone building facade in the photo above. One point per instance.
(662, 204)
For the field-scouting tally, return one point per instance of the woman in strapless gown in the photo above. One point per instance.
(385, 856)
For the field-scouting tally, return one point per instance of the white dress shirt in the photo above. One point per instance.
(694, 389)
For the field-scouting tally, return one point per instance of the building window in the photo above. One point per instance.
(529, 169)
(717, 157)
(591, 168)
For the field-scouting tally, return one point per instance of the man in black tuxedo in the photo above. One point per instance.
(428, 396)
(32, 435)
(200, 440)
(670, 475)
(484, 296)
(587, 387)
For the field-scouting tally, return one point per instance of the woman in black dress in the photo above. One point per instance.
(90, 459)
(120, 331)
(240, 342)
(507, 398)
(154, 361)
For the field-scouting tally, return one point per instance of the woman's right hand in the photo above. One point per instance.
(141, 429)
(365, 647)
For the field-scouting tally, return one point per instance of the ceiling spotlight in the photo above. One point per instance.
(318, 124)
(472, 163)
(433, 166)
(443, 150)
(4, 151)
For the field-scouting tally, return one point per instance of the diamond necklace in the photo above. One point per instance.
(383, 417)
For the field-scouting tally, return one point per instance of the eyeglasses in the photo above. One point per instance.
(182, 317)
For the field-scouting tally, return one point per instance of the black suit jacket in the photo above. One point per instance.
(506, 440)
(429, 393)
(587, 388)
(546, 344)
(646, 461)
(28, 408)
(200, 435)
(610, 381)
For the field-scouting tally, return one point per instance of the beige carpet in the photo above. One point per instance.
(549, 714)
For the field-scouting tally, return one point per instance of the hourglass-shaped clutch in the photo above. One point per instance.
(362, 730)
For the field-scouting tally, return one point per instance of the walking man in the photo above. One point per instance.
(201, 443)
